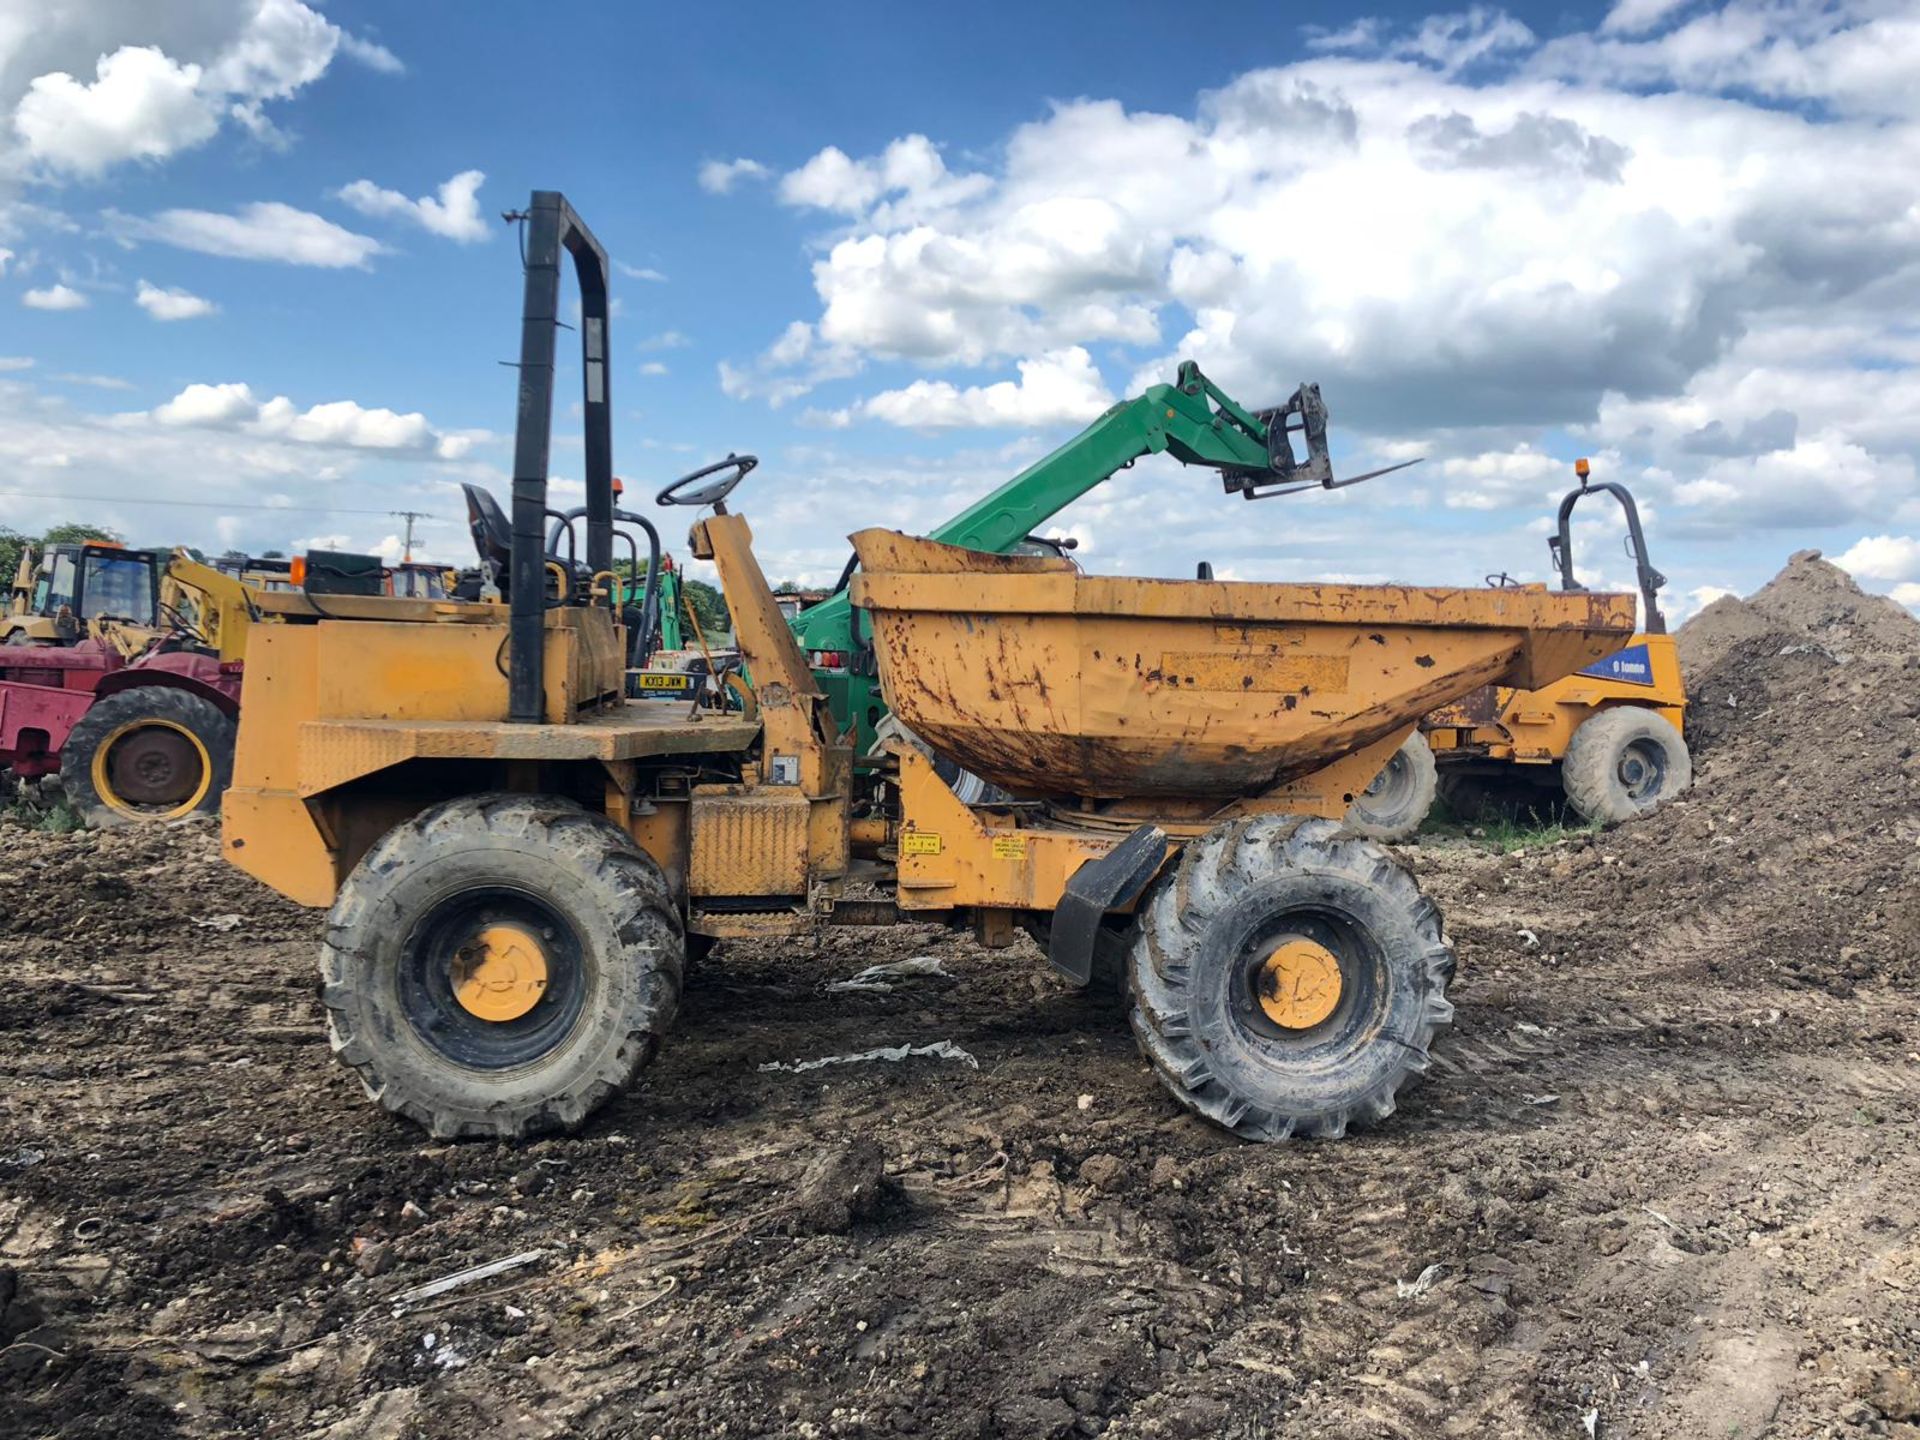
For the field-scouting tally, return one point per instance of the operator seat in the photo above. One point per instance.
(492, 536)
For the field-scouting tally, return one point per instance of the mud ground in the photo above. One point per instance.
(1662, 1181)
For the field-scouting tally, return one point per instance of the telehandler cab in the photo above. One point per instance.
(517, 856)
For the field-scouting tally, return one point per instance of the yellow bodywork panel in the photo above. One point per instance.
(332, 703)
(952, 856)
(1046, 681)
(1536, 726)
(748, 842)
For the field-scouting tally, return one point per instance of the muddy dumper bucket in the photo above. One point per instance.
(1285, 975)
(1049, 682)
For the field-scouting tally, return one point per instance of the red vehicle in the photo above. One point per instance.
(137, 720)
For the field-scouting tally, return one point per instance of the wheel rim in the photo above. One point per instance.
(492, 979)
(1306, 981)
(152, 769)
(1388, 791)
(1642, 769)
(1298, 985)
(501, 975)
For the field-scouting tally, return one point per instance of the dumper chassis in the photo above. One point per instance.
(517, 858)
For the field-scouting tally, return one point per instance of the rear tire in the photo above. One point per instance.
(1624, 763)
(146, 755)
(410, 936)
(1396, 803)
(1206, 996)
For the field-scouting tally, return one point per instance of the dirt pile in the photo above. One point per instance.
(1809, 602)
(1797, 846)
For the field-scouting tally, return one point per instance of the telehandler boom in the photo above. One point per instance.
(516, 856)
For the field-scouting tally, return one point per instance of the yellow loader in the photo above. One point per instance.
(517, 859)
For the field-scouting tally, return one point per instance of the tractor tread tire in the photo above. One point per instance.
(1590, 772)
(619, 900)
(1400, 815)
(216, 730)
(1169, 955)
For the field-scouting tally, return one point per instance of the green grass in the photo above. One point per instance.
(1510, 832)
(1508, 835)
(24, 806)
(62, 819)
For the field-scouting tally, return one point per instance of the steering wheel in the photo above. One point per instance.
(714, 491)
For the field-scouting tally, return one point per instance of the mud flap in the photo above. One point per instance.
(1116, 878)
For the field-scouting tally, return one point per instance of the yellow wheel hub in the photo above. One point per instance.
(501, 974)
(1299, 985)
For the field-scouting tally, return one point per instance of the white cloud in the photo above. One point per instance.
(340, 423)
(95, 382)
(140, 106)
(1461, 234)
(665, 340)
(90, 88)
(1495, 480)
(1633, 17)
(640, 272)
(1059, 388)
(909, 171)
(12, 363)
(718, 177)
(6, 258)
(265, 230)
(172, 304)
(1882, 557)
(54, 297)
(1907, 593)
(653, 367)
(454, 212)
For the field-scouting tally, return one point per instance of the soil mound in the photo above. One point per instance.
(1820, 600)
(1704, 641)
(1796, 847)
(1808, 602)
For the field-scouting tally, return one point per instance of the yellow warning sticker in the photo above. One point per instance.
(1009, 847)
(920, 842)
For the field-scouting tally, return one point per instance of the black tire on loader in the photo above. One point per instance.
(1288, 978)
(501, 965)
(1623, 763)
(1396, 803)
(151, 753)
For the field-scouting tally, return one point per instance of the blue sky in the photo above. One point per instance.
(900, 253)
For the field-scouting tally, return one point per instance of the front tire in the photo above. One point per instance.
(501, 965)
(146, 755)
(1288, 978)
(1624, 763)
(1396, 803)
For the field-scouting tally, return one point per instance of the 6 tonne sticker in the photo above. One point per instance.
(920, 842)
(1632, 666)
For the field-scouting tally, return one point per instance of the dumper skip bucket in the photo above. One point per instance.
(1048, 682)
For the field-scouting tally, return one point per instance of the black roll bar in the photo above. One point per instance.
(551, 225)
(1560, 546)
